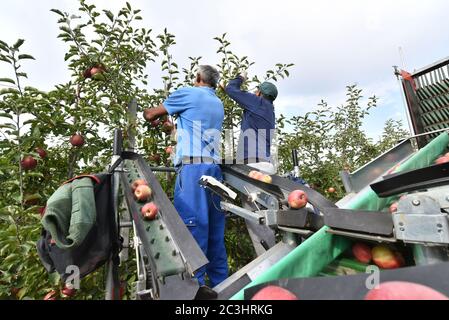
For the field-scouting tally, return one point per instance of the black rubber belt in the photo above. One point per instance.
(354, 287)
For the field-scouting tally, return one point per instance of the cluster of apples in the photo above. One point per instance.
(29, 162)
(260, 176)
(143, 193)
(393, 290)
(166, 125)
(381, 255)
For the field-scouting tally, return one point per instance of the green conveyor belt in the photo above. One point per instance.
(313, 255)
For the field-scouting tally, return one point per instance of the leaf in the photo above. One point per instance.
(109, 15)
(3, 58)
(26, 56)
(8, 126)
(18, 44)
(128, 5)
(58, 12)
(5, 115)
(54, 278)
(7, 80)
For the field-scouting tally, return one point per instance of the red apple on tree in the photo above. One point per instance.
(87, 74)
(274, 293)
(150, 211)
(297, 199)
(28, 163)
(169, 150)
(137, 183)
(42, 153)
(41, 211)
(142, 193)
(77, 140)
(68, 290)
(155, 123)
(331, 190)
(401, 290)
(156, 158)
(167, 126)
(51, 295)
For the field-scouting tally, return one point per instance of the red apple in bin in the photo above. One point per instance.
(274, 293)
(150, 211)
(401, 290)
(143, 193)
(441, 160)
(362, 252)
(28, 163)
(297, 199)
(137, 183)
(385, 258)
(77, 140)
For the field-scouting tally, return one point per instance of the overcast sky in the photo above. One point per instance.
(333, 43)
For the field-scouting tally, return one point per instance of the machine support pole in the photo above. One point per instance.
(112, 280)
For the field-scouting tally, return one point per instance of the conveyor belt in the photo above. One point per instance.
(429, 177)
(279, 186)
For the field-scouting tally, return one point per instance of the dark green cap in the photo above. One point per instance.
(269, 90)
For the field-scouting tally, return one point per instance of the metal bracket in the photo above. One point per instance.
(244, 213)
(419, 220)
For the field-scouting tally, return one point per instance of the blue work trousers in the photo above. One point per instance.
(200, 210)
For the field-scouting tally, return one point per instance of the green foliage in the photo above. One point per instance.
(330, 140)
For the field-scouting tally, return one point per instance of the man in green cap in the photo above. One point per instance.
(258, 122)
(257, 132)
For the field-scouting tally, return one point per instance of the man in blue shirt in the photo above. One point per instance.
(200, 117)
(257, 132)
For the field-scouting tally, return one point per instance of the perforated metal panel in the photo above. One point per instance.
(427, 95)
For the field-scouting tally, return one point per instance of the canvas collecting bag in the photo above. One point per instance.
(79, 226)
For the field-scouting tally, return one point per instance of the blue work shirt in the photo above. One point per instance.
(199, 124)
(258, 123)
